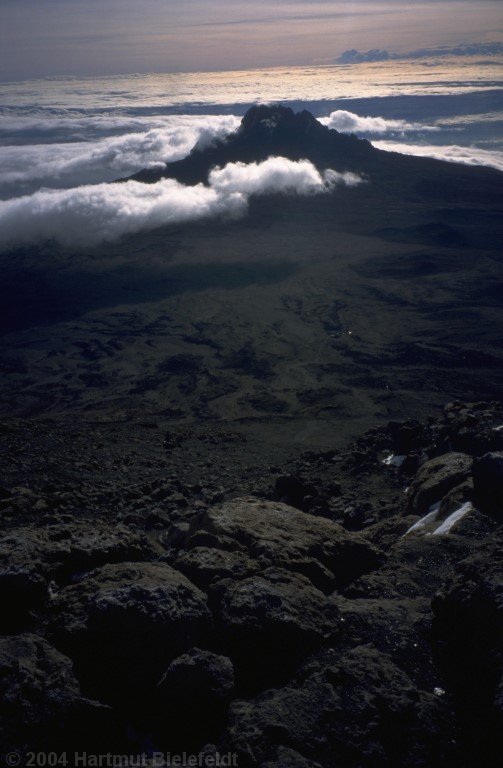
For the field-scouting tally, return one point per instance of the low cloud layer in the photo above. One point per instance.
(349, 122)
(90, 214)
(464, 49)
(451, 154)
(26, 168)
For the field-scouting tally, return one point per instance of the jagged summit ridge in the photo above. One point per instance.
(271, 130)
(277, 128)
(270, 118)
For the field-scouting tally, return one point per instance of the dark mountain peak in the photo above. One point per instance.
(268, 130)
(275, 118)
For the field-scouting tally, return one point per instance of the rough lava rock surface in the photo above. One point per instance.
(40, 698)
(358, 637)
(125, 622)
(270, 534)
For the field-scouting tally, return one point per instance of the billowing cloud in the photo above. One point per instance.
(277, 174)
(25, 168)
(89, 214)
(349, 122)
(451, 154)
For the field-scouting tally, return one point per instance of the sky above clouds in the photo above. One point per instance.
(40, 38)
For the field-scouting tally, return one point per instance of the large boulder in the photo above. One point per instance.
(400, 628)
(474, 428)
(357, 710)
(416, 567)
(488, 484)
(268, 534)
(435, 479)
(268, 622)
(468, 627)
(124, 623)
(23, 580)
(40, 698)
(193, 696)
(206, 566)
(198, 675)
(32, 557)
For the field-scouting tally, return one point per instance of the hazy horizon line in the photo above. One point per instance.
(362, 58)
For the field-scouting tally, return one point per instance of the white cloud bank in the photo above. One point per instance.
(349, 122)
(26, 168)
(452, 153)
(277, 174)
(89, 214)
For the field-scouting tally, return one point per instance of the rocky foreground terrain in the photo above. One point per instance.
(342, 610)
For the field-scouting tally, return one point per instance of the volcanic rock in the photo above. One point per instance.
(416, 567)
(469, 631)
(436, 478)
(293, 491)
(41, 703)
(488, 483)
(193, 696)
(30, 558)
(269, 534)
(124, 623)
(206, 566)
(272, 620)
(357, 711)
(473, 428)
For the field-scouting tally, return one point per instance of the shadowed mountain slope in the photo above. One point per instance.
(266, 131)
(272, 130)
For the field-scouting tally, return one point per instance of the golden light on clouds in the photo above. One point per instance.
(120, 36)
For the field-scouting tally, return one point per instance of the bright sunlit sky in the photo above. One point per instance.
(41, 38)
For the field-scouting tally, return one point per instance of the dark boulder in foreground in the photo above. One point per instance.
(488, 483)
(124, 623)
(272, 620)
(193, 696)
(251, 626)
(40, 699)
(469, 631)
(357, 711)
(31, 558)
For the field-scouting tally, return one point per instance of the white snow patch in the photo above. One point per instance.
(394, 461)
(426, 520)
(453, 518)
(498, 429)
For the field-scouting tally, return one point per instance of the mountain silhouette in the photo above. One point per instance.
(276, 130)
(266, 131)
